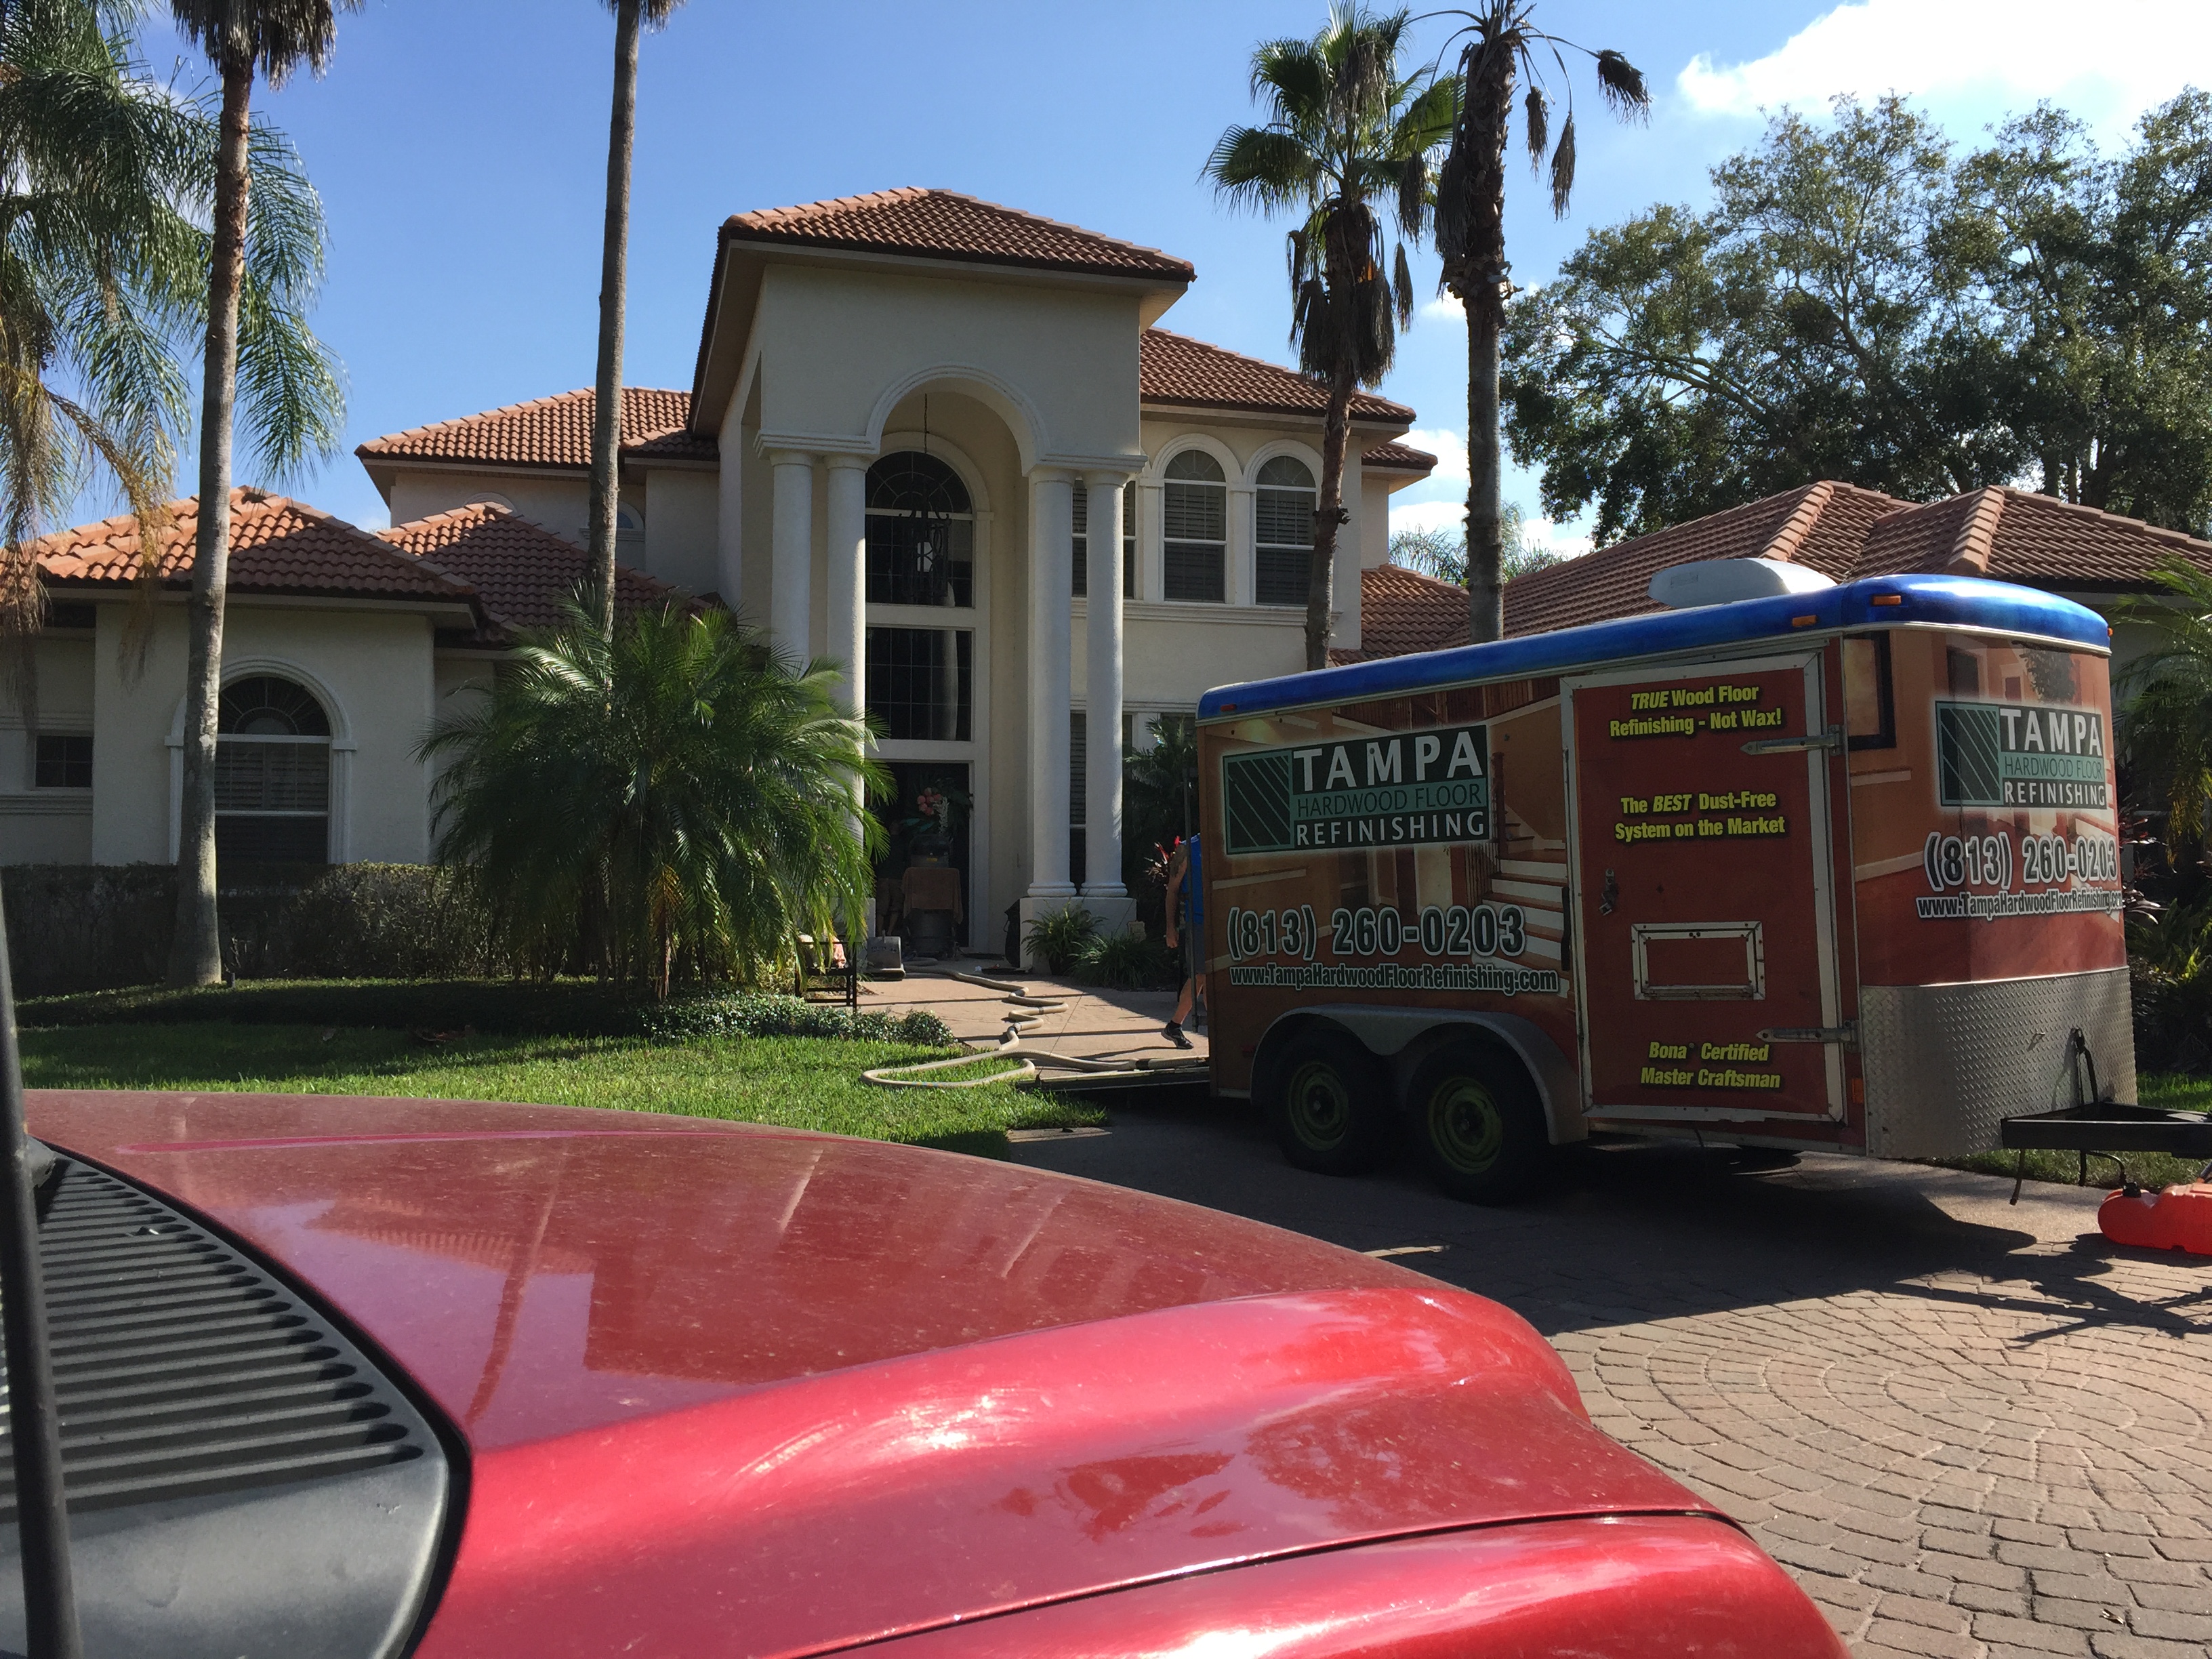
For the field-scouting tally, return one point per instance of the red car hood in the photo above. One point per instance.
(731, 1389)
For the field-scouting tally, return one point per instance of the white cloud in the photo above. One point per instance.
(1446, 307)
(1448, 447)
(2108, 64)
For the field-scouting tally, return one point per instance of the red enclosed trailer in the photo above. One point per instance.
(1834, 869)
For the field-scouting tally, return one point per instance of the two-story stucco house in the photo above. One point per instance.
(941, 442)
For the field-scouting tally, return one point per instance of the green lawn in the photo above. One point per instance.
(2168, 1091)
(807, 1083)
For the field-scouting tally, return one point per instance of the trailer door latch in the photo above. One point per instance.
(1833, 738)
(1846, 1035)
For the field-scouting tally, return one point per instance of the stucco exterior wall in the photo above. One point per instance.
(46, 826)
(372, 669)
(682, 511)
(559, 502)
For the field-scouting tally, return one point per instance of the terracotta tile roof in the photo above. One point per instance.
(1823, 525)
(276, 546)
(1401, 611)
(520, 570)
(550, 432)
(1174, 369)
(1397, 458)
(2014, 535)
(944, 224)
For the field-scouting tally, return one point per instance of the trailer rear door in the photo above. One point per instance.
(1705, 911)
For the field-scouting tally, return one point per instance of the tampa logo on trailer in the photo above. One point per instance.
(2003, 754)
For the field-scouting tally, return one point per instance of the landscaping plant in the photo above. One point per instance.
(1346, 140)
(1500, 44)
(676, 801)
(1125, 960)
(631, 18)
(1059, 936)
(296, 389)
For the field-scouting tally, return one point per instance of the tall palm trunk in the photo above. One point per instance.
(1481, 285)
(614, 282)
(1328, 515)
(196, 949)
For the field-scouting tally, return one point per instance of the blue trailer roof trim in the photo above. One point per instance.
(1939, 601)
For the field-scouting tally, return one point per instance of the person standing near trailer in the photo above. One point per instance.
(1186, 886)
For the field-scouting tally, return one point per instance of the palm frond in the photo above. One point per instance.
(1401, 286)
(1623, 85)
(1262, 169)
(1538, 114)
(1563, 168)
(273, 37)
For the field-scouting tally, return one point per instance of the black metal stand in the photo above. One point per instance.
(34, 1412)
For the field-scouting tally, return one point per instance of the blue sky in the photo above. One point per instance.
(460, 151)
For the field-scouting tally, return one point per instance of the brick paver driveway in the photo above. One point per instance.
(1970, 1430)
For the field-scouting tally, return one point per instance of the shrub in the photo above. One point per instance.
(563, 1008)
(1125, 960)
(1059, 936)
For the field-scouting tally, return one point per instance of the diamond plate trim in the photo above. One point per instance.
(1944, 1063)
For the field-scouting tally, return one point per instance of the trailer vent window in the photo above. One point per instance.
(1698, 962)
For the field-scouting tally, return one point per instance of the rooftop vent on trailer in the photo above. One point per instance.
(1723, 581)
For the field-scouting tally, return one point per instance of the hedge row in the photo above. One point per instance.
(522, 1008)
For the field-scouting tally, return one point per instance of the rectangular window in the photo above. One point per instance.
(1197, 525)
(1128, 542)
(1869, 705)
(919, 682)
(1283, 527)
(64, 762)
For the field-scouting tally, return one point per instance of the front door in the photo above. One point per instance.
(1705, 921)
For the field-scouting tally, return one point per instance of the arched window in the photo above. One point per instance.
(1128, 541)
(272, 773)
(1283, 524)
(629, 526)
(1197, 512)
(922, 533)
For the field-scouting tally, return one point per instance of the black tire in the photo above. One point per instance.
(1328, 1101)
(1480, 1127)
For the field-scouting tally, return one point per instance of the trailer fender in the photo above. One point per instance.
(1406, 1036)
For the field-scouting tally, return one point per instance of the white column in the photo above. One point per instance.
(1244, 583)
(849, 582)
(1101, 837)
(1152, 544)
(1052, 564)
(790, 603)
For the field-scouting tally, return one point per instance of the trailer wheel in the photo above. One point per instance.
(1479, 1127)
(1329, 1103)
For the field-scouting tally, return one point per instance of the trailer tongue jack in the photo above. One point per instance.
(2094, 1127)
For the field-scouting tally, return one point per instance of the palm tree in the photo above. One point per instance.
(2166, 724)
(297, 391)
(631, 16)
(104, 175)
(1499, 43)
(705, 791)
(1343, 133)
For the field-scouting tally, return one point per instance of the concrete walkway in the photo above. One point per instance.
(1972, 1430)
(1092, 1025)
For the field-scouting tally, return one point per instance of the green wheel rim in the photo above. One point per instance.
(1465, 1126)
(1320, 1106)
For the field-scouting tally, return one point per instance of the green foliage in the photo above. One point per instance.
(1125, 960)
(1442, 553)
(1861, 304)
(107, 184)
(564, 1008)
(1060, 936)
(2165, 724)
(1160, 796)
(676, 802)
(2170, 960)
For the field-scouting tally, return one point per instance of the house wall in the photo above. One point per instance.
(46, 826)
(683, 509)
(371, 667)
(559, 501)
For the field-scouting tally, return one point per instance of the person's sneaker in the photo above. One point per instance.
(1173, 1033)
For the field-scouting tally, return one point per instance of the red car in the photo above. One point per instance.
(348, 1377)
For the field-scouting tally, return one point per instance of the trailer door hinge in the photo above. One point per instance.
(1847, 1034)
(1833, 738)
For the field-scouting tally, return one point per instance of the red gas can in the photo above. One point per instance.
(2176, 1217)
